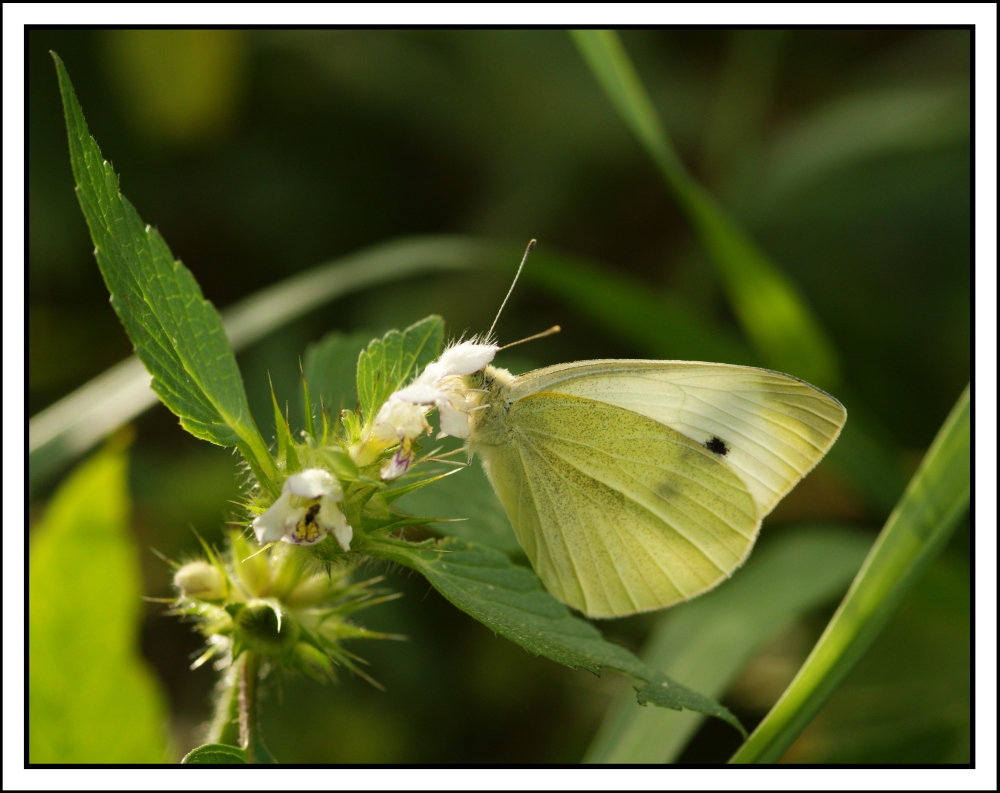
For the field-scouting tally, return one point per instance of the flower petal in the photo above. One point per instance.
(417, 393)
(330, 518)
(400, 418)
(465, 358)
(400, 462)
(453, 422)
(314, 483)
(270, 527)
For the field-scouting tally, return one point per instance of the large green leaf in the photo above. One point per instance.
(510, 600)
(391, 361)
(177, 334)
(91, 697)
(935, 501)
(707, 641)
(775, 317)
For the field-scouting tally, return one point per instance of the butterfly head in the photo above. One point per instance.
(489, 388)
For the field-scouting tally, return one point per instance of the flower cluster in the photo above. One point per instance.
(278, 603)
(269, 595)
(403, 417)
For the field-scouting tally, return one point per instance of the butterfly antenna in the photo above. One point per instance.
(554, 329)
(527, 250)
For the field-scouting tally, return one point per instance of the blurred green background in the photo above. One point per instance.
(844, 154)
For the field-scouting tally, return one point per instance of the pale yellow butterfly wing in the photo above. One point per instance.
(618, 513)
(775, 427)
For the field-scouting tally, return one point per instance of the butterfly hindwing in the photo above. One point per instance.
(618, 513)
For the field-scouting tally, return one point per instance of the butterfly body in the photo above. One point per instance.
(633, 485)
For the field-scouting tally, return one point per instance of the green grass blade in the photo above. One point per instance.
(177, 334)
(706, 642)
(773, 314)
(91, 696)
(74, 424)
(909, 699)
(625, 307)
(934, 502)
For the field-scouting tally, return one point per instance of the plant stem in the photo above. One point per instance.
(248, 705)
(226, 719)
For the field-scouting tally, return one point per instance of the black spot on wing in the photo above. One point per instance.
(716, 445)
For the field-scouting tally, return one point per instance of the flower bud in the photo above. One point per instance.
(200, 580)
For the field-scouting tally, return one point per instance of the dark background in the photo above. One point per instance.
(844, 153)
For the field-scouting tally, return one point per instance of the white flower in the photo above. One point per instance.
(400, 462)
(441, 384)
(398, 419)
(402, 418)
(305, 512)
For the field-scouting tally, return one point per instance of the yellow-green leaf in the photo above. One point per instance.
(91, 697)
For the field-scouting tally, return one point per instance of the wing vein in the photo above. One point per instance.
(562, 535)
(541, 541)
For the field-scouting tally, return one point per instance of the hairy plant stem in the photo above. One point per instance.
(225, 724)
(248, 705)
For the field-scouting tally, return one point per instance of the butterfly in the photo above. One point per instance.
(636, 484)
(631, 485)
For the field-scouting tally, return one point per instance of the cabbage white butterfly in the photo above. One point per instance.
(636, 484)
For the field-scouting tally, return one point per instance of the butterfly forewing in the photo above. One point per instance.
(770, 428)
(617, 512)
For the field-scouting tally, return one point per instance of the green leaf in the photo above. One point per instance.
(91, 697)
(216, 754)
(331, 365)
(338, 462)
(775, 317)
(706, 641)
(934, 502)
(283, 435)
(391, 361)
(510, 600)
(177, 334)
(465, 494)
